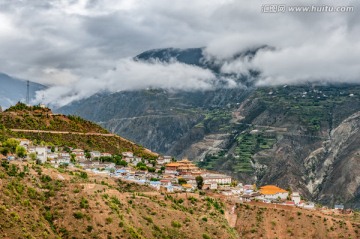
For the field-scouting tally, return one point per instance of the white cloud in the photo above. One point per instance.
(132, 75)
(72, 45)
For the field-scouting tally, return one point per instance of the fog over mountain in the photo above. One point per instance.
(86, 46)
(15, 90)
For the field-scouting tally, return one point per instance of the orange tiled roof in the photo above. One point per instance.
(271, 190)
(186, 186)
(173, 165)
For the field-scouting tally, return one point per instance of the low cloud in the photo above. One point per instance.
(334, 60)
(136, 75)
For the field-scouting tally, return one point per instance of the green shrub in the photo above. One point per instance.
(89, 228)
(78, 215)
(176, 224)
(84, 203)
(108, 220)
(206, 236)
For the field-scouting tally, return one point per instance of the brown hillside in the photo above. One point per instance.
(38, 202)
(21, 116)
(258, 220)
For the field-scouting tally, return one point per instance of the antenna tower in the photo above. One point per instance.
(27, 92)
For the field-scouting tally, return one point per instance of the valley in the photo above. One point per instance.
(262, 136)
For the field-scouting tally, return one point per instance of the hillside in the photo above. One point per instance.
(44, 202)
(257, 220)
(41, 202)
(163, 121)
(40, 124)
(301, 137)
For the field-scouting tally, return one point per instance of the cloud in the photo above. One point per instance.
(135, 75)
(73, 45)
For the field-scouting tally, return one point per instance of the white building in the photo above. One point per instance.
(218, 178)
(41, 153)
(79, 154)
(128, 154)
(136, 160)
(211, 185)
(24, 142)
(236, 191)
(272, 192)
(52, 155)
(95, 154)
(164, 159)
(295, 197)
(106, 155)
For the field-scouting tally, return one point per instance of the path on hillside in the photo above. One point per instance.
(230, 215)
(67, 132)
(283, 131)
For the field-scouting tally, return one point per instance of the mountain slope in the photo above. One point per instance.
(216, 127)
(13, 90)
(160, 120)
(43, 202)
(336, 165)
(41, 124)
(258, 135)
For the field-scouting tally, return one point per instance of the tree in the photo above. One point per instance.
(181, 181)
(72, 158)
(141, 164)
(32, 156)
(151, 169)
(67, 149)
(20, 151)
(4, 151)
(87, 155)
(234, 183)
(11, 145)
(122, 163)
(199, 182)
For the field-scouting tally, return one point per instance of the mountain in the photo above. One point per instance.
(14, 90)
(41, 124)
(163, 121)
(198, 57)
(299, 137)
(191, 56)
(302, 137)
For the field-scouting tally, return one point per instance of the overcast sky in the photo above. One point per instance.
(74, 45)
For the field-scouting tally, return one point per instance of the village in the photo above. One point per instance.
(164, 174)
